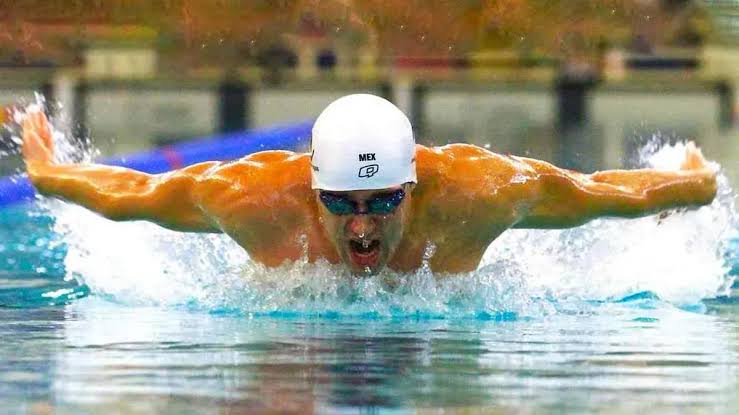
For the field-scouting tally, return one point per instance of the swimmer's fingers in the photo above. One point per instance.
(694, 159)
(38, 142)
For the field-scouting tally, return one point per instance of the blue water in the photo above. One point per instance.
(66, 349)
(617, 316)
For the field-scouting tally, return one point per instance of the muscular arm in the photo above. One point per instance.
(114, 192)
(565, 198)
(123, 194)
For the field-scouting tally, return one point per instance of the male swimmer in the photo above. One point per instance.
(367, 195)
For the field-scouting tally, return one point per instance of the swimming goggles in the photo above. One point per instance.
(383, 204)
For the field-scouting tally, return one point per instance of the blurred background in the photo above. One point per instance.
(580, 83)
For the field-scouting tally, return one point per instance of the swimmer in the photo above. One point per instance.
(366, 195)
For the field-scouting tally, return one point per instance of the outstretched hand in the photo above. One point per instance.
(38, 142)
(694, 159)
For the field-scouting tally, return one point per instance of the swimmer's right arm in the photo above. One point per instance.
(114, 192)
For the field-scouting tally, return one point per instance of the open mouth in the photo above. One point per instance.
(364, 247)
(363, 252)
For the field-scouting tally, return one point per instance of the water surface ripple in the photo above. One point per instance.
(94, 356)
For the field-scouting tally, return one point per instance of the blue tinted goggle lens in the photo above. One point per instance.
(378, 205)
(338, 205)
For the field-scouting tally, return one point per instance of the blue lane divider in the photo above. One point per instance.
(17, 188)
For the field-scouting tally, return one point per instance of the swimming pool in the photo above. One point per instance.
(614, 316)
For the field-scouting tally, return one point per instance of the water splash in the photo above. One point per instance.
(678, 258)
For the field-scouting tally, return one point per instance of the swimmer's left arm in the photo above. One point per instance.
(565, 198)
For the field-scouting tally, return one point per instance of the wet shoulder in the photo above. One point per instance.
(267, 178)
(467, 165)
(272, 169)
(465, 197)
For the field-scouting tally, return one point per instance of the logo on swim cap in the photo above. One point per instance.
(369, 170)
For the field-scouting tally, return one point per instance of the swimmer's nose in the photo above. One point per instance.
(361, 225)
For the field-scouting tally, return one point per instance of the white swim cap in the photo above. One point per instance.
(362, 142)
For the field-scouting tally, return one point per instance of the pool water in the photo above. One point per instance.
(616, 316)
(96, 357)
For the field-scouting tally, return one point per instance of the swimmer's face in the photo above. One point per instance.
(365, 226)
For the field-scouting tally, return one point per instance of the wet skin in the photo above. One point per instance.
(465, 197)
(365, 242)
